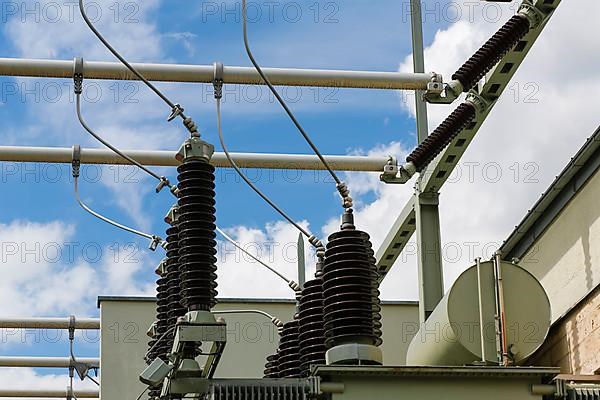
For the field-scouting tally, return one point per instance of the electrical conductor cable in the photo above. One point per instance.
(76, 163)
(218, 95)
(290, 282)
(176, 109)
(78, 76)
(341, 186)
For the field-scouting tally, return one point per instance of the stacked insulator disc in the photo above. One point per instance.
(197, 245)
(176, 309)
(272, 366)
(492, 51)
(377, 325)
(289, 351)
(350, 290)
(160, 349)
(311, 332)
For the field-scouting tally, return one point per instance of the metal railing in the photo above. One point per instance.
(70, 323)
(231, 75)
(167, 159)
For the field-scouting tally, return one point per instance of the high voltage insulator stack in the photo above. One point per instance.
(441, 136)
(176, 309)
(351, 301)
(288, 359)
(469, 74)
(492, 51)
(377, 325)
(197, 244)
(159, 349)
(311, 332)
(272, 366)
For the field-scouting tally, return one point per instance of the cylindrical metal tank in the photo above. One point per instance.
(452, 334)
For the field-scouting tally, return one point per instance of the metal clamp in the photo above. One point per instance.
(173, 215)
(175, 112)
(78, 75)
(71, 328)
(157, 240)
(76, 160)
(218, 80)
(532, 13)
(397, 174)
(435, 86)
(478, 101)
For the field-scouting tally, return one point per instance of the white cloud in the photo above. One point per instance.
(276, 245)
(187, 39)
(47, 271)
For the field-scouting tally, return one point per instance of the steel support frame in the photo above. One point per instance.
(429, 245)
(231, 75)
(436, 174)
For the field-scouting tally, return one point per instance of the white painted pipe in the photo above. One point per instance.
(205, 74)
(49, 393)
(45, 362)
(49, 323)
(167, 158)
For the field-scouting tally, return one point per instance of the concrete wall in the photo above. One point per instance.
(251, 338)
(566, 260)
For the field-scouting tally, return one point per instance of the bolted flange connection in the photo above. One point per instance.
(195, 148)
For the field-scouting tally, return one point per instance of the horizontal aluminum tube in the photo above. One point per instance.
(205, 74)
(48, 393)
(167, 158)
(49, 323)
(44, 362)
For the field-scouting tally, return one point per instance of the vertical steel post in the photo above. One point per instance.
(480, 303)
(418, 66)
(431, 284)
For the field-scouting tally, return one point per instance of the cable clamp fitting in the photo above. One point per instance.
(164, 182)
(71, 328)
(188, 122)
(156, 241)
(78, 75)
(294, 286)
(315, 241)
(277, 322)
(218, 80)
(435, 86)
(175, 112)
(479, 102)
(76, 160)
(532, 13)
(345, 193)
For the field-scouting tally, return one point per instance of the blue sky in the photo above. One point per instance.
(341, 121)
(93, 258)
